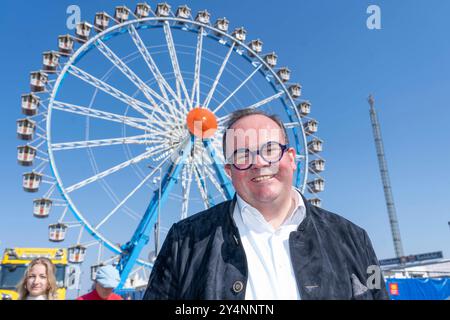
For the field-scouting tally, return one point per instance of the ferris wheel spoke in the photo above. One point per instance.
(237, 89)
(167, 117)
(162, 83)
(140, 139)
(167, 129)
(201, 187)
(134, 122)
(219, 74)
(113, 196)
(39, 136)
(174, 59)
(146, 90)
(163, 121)
(38, 146)
(256, 105)
(38, 127)
(198, 61)
(112, 170)
(113, 211)
(186, 187)
(266, 100)
(148, 59)
(90, 79)
(210, 174)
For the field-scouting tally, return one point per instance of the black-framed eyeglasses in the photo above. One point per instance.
(271, 152)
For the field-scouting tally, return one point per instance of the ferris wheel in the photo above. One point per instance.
(124, 127)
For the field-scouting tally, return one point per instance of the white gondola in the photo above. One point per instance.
(25, 129)
(38, 80)
(30, 104)
(311, 126)
(101, 20)
(315, 202)
(183, 12)
(295, 90)
(304, 108)
(42, 207)
(271, 59)
(315, 146)
(142, 10)
(284, 74)
(83, 30)
(50, 61)
(256, 46)
(31, 181)
(240, 34)
(317, 185)
(26, 155)
(162, 9)
(222, 24)
(317, 165)
(76, 254)
(57, 232)
(65, 44)
(203, 17)
(121, 13)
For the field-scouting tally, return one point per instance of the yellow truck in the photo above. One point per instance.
(14, 264)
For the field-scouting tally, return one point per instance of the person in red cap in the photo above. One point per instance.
(106, 280)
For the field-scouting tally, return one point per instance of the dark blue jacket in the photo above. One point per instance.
(203, 258)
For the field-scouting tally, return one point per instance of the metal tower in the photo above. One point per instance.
(386, 181)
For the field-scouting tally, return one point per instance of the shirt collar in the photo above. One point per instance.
(253, 219)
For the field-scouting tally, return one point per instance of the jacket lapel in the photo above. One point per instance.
(308, 258)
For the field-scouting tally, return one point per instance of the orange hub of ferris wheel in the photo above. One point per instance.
(201, 122)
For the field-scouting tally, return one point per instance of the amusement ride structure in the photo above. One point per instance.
(123, 127)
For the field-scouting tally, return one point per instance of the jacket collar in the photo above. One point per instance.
(230, 212)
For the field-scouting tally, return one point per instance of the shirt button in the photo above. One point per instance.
(238, 286)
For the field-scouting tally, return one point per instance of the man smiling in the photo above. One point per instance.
(268, 242)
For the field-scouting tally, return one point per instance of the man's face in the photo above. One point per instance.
(263, 182)
(104, 293)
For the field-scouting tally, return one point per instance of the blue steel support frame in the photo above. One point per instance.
(133, 248)
(225, 182)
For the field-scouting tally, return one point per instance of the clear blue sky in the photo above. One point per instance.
(327, 46)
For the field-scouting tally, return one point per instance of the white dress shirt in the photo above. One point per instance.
(270, 272)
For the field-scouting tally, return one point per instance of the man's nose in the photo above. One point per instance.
(260, 162)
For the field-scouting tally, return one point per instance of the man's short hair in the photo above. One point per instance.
(242, 113)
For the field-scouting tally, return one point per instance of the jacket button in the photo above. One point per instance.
(238, 286)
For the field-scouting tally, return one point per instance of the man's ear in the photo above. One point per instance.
(291, 153)
(227, 168)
